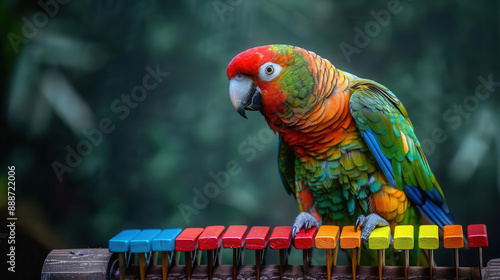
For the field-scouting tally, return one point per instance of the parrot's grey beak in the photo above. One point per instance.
(244, 95)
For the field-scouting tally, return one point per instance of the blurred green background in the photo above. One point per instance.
(68, 67)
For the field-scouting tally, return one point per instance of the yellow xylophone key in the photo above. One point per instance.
(351, 239)
(380, 239)
(453, 238)
(428, 239)
(327, 238)
(404, 240)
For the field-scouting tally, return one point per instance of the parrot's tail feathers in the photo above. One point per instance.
(431, 205)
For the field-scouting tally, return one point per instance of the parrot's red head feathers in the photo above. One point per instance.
(249, 61)
(266, 78)
(277, 80)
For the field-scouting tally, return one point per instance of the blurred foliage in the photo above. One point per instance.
(65, 76)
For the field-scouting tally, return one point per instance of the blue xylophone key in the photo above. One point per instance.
(121, 242)
(165, 241)
(142, 243)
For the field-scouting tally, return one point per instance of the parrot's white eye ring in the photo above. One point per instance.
(268, 71)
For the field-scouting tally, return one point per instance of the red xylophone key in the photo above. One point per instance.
(257, 240)
(187, 242)
(304, 239)
(281, 238)
(235, 238)
(211, 238)
(478, 238)
(211, 241)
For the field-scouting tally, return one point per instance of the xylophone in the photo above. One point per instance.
(146, 246)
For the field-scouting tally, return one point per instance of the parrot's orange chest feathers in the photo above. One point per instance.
(319, 135)
(317, 130)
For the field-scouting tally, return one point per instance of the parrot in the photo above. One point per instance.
(347, 149)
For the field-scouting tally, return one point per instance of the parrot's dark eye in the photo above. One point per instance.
(269, 69)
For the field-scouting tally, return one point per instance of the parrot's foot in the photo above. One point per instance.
(368, 224)
(304, 220)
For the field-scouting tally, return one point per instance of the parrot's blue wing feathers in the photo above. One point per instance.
(440, 215)
(382, 160)
(388, 133)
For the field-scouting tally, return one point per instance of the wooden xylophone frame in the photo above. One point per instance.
(100, 264)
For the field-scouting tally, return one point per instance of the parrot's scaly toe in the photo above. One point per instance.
(304, 220)
(368, 224)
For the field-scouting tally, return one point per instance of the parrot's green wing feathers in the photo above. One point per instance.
(286, 164)
(385, 127)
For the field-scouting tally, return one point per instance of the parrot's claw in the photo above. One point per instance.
(368, 224)
(304, 220)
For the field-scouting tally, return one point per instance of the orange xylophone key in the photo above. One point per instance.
(327, 238)
(453, 238)
(351, 239)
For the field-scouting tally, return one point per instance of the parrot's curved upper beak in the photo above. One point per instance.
(244, 95)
